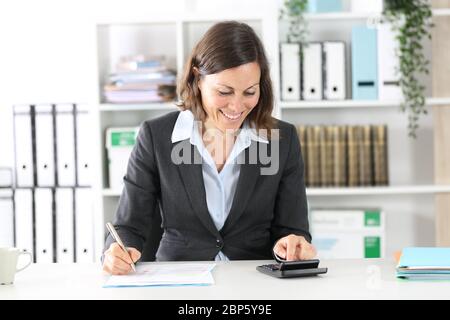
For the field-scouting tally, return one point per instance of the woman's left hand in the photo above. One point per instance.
(294, 247)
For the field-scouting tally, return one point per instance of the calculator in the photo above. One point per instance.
(292, 269)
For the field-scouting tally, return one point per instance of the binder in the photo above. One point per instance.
(65, 145)
(313, 156)
(364, 63)
(365, 157)
(301, 132)
(84, 231)
(334, 70)
(312, 71)
(84, 146)
(43, 202)
(290, 71)
(325, 156)
(380, 155)
(339, 140)
(45, 159)
(388, 64)
(6, 218)
(64, 225)
(23, 146)
(23, 203)
(5, 177)
(321, 6)
(353, 149)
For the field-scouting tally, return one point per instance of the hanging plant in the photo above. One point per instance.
(411, 22)
(293, 11)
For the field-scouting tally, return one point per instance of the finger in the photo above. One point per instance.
(118, 271)
(280, 250)
(291, 248)
(306, 254)
(117, 262)
(117, 251)
(134, 254)
(307, 251)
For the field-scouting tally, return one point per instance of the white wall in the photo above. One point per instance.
(48, 47)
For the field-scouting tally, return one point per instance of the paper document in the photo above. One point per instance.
(165, 274)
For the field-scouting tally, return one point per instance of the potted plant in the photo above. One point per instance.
(411, 22)
(293, 11)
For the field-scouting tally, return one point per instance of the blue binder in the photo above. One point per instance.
(364, 63)
(321, 6)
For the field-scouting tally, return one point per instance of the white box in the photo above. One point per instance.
(119, 143)
(367, 6)
(348, 233)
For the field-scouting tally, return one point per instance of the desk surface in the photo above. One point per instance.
(346, 279)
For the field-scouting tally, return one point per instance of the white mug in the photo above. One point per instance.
(8, 264)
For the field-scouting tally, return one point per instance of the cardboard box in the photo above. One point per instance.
(348, 233)
(119, 144)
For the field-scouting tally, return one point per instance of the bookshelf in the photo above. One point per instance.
(412, 190)
(347, 191)
(326, 104)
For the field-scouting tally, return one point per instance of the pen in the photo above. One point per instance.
(116, 237)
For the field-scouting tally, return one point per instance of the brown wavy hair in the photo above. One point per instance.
(227, 45)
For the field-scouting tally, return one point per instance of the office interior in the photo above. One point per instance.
(58, 58)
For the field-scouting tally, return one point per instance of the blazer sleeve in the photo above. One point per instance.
(140, 193)
(291, 207)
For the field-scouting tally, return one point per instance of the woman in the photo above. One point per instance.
(203, 167)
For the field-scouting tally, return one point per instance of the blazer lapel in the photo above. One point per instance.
(192, 177)
(248, 176)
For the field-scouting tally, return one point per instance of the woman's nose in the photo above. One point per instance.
(237, 105)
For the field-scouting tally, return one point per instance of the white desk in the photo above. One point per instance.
(346, 279)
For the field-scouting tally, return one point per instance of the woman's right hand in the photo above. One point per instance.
(117, 262)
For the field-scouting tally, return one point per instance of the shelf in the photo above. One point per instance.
(170, 106)
(354, 191)
(376, 16)
(388, 190)
(328, 104)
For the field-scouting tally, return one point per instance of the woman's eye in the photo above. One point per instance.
(250, 93)
(224, 93)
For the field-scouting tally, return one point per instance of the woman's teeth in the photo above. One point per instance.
(230, 116)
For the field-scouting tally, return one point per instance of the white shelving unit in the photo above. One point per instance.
(355, 191)
(410, 162)
(354, 103)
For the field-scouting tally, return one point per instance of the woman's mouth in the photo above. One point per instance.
(230, 116)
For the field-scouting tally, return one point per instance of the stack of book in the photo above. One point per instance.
(337, 156)
(139, 79)
(424, 264)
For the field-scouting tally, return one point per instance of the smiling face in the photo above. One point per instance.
(230, 95)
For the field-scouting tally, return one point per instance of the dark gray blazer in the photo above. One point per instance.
(158, 193)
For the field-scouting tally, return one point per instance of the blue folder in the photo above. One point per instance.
(424, 263)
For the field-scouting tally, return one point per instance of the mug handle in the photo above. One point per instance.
(29, 262)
